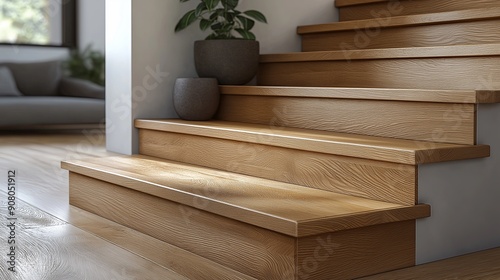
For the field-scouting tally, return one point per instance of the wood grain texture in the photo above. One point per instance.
(356, 253)
(383, 181)
(382, 94)
(37, 158)
(300, 211)
(404, 21)
(49, 248)
(181, 261)
(470, 51)
(483, 265)
(365, 9)
(334, 143)
(436, 122)
(471, 73)
(251, 250)
(373, 35)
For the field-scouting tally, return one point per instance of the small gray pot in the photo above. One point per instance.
(196, 99)
(231, 62)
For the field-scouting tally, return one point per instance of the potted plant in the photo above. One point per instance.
(230, 52)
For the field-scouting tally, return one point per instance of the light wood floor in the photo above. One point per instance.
(48, 247)
(52, 247)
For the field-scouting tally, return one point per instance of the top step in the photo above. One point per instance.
(285, 208)
(383, 9)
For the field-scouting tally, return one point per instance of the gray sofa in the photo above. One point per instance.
(37, 94)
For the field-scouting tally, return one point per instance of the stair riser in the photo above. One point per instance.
(385, 9)
(425, 73)
(436, 122)
(251, 250)
(357, 252)
(383, 181)
(375, 36)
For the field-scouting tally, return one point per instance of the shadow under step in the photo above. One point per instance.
(466, 27)
(262, 228)
(467, 67)
(413, 114)
(385, 9)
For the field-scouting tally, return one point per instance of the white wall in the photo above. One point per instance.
(283, 16)
(91, 23)
(464, 196)
(144, 57)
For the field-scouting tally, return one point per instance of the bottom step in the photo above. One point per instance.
(335, 236)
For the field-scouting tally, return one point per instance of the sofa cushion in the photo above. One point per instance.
(80, 88)
(40, 110)
(7, 83)
(38, 78)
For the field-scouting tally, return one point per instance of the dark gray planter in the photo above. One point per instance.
(231, 62)
(196, 99)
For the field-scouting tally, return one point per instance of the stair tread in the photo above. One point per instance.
(286, 208)
(390, 53)
(407, 20)
(343, 144)
(414, 95)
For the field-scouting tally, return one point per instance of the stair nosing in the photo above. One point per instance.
(381, 94)
(380, 148)
(388, 53)
(468, 15)
(297, 228)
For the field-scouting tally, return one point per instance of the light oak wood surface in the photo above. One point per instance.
(382, 94)
(456, 73)
(384, 181)
(394, 53)
(424, 121)
(357, 252)
(366, 9)
(49, 248)
(343, 144)
(468, 27)
(285, 208)
(403, 21)
(483, 265)
(251, 250)
(181, 261)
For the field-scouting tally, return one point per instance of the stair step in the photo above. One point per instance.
(380, 94)
(261, 228)
(469, 67)
(406, 114)
(466, 27)
(384, 9)
(334, 143)
(300, 212)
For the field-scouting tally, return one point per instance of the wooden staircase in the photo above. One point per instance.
(314, 173)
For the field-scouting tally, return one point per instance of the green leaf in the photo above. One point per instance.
(211, 4)
(230, 4)
(246, 23)
(256, 15)
(186, 20)
(201, 7)
(205, 24)
(217, 26)
(247, 35)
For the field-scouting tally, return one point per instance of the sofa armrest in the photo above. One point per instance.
(75, 87)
